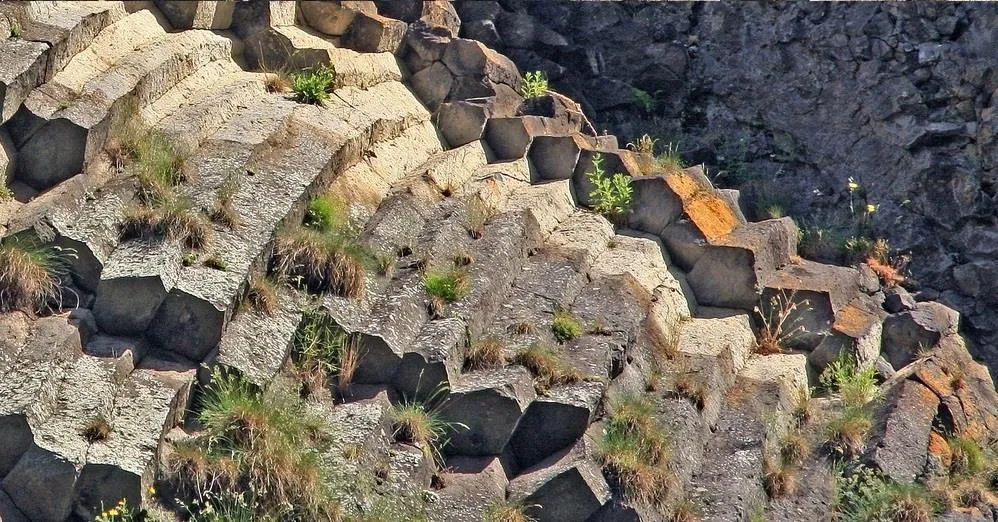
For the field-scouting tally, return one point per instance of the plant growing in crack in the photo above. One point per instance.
(780, 322)
(612, 195)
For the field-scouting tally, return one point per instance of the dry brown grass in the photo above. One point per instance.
(888, 273)
(31, 274)
(506, 511)
(322, 261)
(779, 478)
(685, 511)
(846, 434)
(262, 295)
(277, 82)
(794, 448)
(485, 354)
(171, 217)
(548, 366)
(634, 448)
(778, 322)
(96, 430)
(691, 389)
(523, 327)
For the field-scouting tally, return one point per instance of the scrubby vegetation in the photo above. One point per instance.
(486, 353)
(224, 212)
(325, 253)
(611, 196)
(863, 495)
(506, 511)
(96, 430)
(321, 350)
(644, 145)
(846, 433)
(5, 194)
(265, 445)
(445, 286)
(669, 159)
(314, 85)
(31, 274)
(533, 85)
(420, 423)
(548, 366)
(779, 322)
(634, 449)
(262, 295)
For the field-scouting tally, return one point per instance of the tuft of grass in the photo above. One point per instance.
(565, 326)
(533, 85)
(262, 295)
(670, 160)
(855, 386)
(691, 389)
(644, 145)
(845, 435)
(421, 424)
(266, 443)
(634, 448)
(96, 430)
(476, 214)
(863, 495)
(189, 259)
(485, 354)
(803, 408)
(331, 261)
(278, 82)
(325, 213)
(685, 511)
(971, 495)
(968, 457)
(779, 320)
(15, 29)
(889, 272)
(446, 286)
(215, 262)
(548, 366)
(779, 478)
(321, 349)
(506, 511)
(386, 264)
(5, 194)
(523, 327)
(224, 213)
(31, 274)
(794, 448)
(313, 85)
(612, 196)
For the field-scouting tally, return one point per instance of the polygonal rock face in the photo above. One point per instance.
(370, 33)
(471, 485)
(964, 386)
(656, 206)
(908, 333)
(899, 439)
(489, 403)
(567, 487)
(333, 18)
(473, 59)
(554, 421)
(555, 157)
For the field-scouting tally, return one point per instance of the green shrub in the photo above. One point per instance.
(612, 196)
(333, 261)
(565, 326)
(634, 448)
(216, 263)
(646, 100)
(866, 496)
(968, 457)
(449, 284)
(314, 85)
(5, 194)
(533, 85)
(322, 349)
(31, 274)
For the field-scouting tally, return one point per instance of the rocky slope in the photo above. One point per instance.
(788, 100)
(644, 325)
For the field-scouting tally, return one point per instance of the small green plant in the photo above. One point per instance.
(855, 386)
(533, 85)
(96, 430)
(779, 322)
(485, 354)
(863, 495)
(5, 194)
(548, 366)
(644, 145)
(189, 259)
(506, 511)
(565, 326)
(646, 100)
(15, 29)
(314, 85)
(215, 262)
(446, 286)
(31, 274)
(634, 448)
(325, 213)
(669, 159)
(968, 457)
(612, 196)
(224, 212)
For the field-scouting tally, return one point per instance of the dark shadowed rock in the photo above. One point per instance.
(898, 300)
(899, 439)
(908, 333)
(567, 487)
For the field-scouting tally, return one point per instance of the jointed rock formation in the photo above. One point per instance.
(492, 296)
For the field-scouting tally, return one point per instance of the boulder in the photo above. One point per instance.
(469, 58)
(464, 121)
(897, 300)
(969, 402)
(566, 487)
(489, 403)
(656, 206)
(899, 440)
(812, 293)
(509, 138)
(371, 33)
(908, 333)
(857, 331)
(432, 85)
(185, 14)
(434, 13)
(334, 17)
(432, 360)
(424, 45)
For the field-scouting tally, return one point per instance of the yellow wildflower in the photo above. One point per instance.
(871, 208)
(152, 490)
(852, 184)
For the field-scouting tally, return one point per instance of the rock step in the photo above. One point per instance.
(257, 344)
(728, 485)
(52, 34)
(79, 121)
(567, 486)
(293, 48)
(471, 486)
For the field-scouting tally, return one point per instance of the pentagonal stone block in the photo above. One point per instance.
(370, 33)
(555, 157)
(333, 18)
(554, 421)
(138, 278)
(568, 486)
(489, 403)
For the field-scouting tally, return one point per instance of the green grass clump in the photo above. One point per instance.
(565, 326)
(506, 511)
(669, 160)
(533, 85)
(446, 286)
(968, 457)
(322, 349)
(31, 274)
(421, 424)
(612, 196)
(325, 213)
(15, 29)
(264, 444)
(855, 386)
(548, 366)
(863, 495)
(5, 194)
(313, 85)
(634, 448)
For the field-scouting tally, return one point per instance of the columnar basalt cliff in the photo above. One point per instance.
(323, 261)
(788, 100)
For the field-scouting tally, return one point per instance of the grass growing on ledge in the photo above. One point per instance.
(322, 349)
(634, 448)
(506, 511)
(313, 85)
(170, 216)
(779, 320)
(96, 430)
(5, 194)
(421, 424)
(266, 444)
(485, 354)
(548, 366)
(446, 286)
(863, 495)
(565, 326)
(31, 274)
(262, 295)
(612, 196)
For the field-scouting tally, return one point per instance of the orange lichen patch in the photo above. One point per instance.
(711, 214)
(854, 321)
(637, 163)
(960, 385)
(940, 448)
